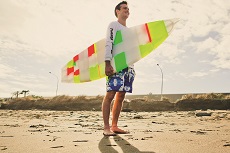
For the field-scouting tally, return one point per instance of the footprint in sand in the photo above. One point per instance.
(57, 147)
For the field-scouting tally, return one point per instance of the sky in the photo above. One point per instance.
(41, 36)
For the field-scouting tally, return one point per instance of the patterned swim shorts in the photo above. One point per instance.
(121, 81)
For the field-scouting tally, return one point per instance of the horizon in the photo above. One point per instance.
(127, 95)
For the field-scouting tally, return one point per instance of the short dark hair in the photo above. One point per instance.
(118, 7)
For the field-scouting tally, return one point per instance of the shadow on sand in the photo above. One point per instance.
(105, 146)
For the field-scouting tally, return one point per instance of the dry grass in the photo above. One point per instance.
(211, 96)
(61, 102)
(82, 102)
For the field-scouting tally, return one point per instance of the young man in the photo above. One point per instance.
(118, 83)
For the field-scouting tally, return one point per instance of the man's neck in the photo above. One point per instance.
(122, 21)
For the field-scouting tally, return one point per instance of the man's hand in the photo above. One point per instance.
(108, 68)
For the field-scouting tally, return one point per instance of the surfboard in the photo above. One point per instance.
(130, 45)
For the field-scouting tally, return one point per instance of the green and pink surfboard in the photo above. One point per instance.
(130, 45)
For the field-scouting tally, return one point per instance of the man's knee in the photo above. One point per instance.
(110, 95)
(120, 95)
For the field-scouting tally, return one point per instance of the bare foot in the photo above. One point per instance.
(117, 130)
(108, 132)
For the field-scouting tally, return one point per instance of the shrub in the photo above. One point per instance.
(203, 96)
(165, 99)
(227, 97)
(188, 96)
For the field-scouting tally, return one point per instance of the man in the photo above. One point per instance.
(117, 83)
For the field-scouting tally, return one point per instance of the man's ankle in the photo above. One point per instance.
(114, 126)
(106, 127)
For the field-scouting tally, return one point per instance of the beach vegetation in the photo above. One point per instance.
(210, 96)
(141, 103)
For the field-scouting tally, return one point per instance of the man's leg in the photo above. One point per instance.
(106, 111)
(116, 112)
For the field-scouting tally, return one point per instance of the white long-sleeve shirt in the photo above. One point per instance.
(110, 36)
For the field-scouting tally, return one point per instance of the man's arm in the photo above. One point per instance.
(111, 32)
(108, 68)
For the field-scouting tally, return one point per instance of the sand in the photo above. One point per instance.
(36, 131)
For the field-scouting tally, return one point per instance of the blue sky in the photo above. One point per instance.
(39, 36)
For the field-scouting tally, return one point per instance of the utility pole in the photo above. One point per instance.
(57, 81)
(161, 81)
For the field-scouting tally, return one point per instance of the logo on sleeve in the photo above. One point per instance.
(111, 33)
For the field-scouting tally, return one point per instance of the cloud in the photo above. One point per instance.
(12, 16)
(6, 71)
(192, 75)
(41, 36)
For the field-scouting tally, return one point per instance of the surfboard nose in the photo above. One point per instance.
(176, 20)
(169, 24)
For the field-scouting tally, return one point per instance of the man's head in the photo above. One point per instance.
(121, 6)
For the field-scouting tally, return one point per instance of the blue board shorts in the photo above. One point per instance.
(121, 81)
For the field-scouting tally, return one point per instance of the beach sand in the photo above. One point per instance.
(36, 131)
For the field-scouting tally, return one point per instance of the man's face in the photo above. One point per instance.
(124, 11)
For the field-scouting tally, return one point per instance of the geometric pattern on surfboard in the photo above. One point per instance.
(130, 45)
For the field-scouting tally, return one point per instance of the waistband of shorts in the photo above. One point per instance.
(126, 69)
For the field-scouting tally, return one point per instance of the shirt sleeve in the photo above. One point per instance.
(110, 36)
